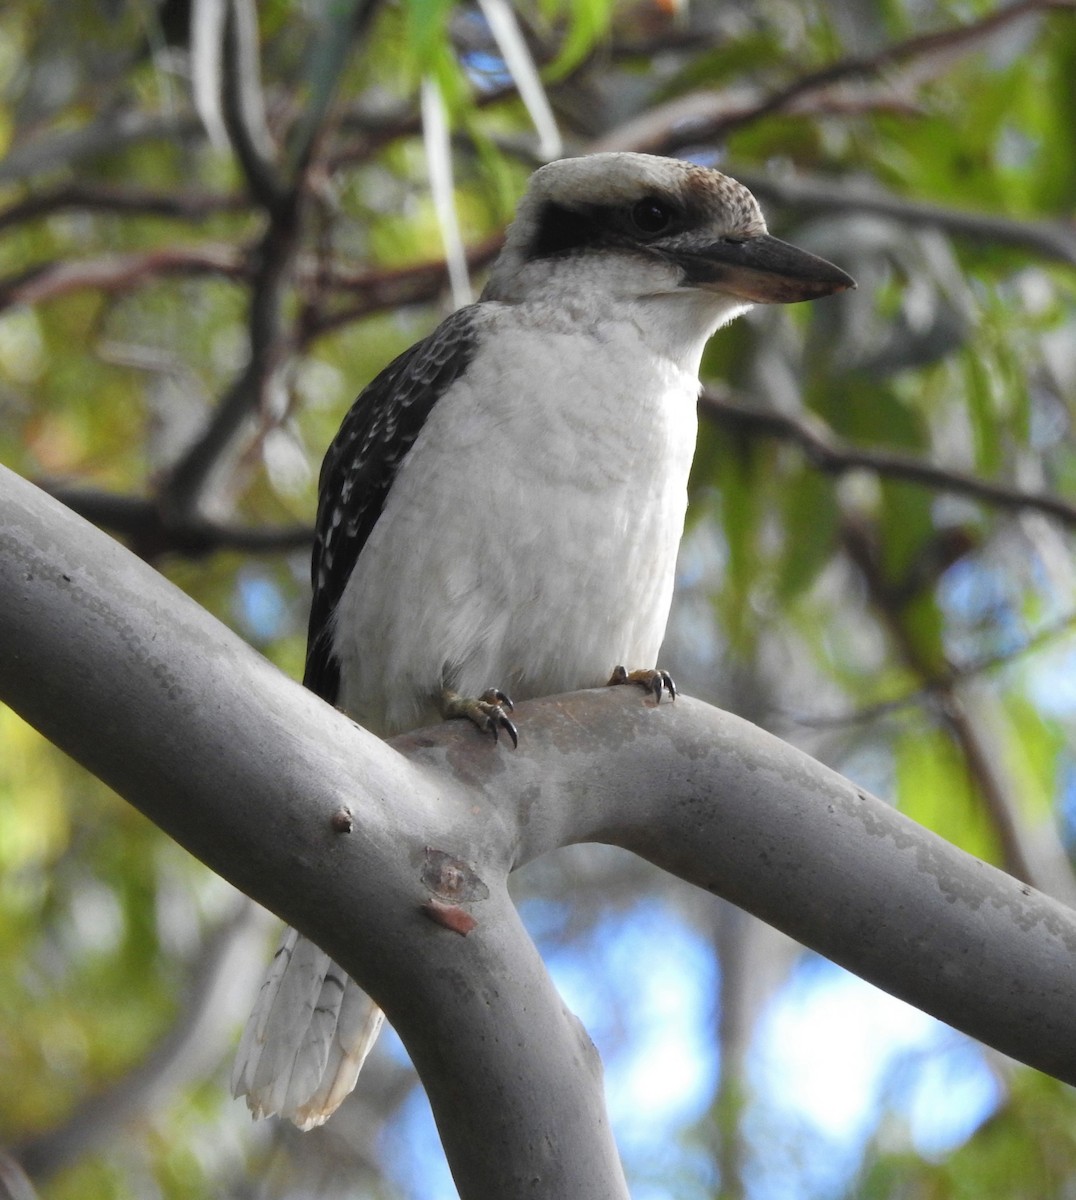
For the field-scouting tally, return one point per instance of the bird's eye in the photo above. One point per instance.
(651, 216)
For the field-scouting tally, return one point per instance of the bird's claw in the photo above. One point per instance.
(654, 679)
(488, 712)
(496, 705)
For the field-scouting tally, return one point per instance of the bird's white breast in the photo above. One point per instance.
(529, 539)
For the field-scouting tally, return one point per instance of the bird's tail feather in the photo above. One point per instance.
(307, 1037)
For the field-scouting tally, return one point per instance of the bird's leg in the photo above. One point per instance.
(654, 679)
(489, 712)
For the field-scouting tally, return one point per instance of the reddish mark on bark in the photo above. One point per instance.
(451, 916)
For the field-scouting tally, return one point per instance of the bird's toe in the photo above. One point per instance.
(488, 712)
(656, 681)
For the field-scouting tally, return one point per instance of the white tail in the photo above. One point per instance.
(307, 1037)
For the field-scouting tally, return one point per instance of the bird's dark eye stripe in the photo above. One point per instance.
(562, 230)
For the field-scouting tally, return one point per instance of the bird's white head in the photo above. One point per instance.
(631, 226)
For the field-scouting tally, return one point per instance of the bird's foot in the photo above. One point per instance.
(655, 680)
(489, 712)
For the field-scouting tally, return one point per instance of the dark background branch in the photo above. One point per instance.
(834, 456)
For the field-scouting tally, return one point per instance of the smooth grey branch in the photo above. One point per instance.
(253, 775)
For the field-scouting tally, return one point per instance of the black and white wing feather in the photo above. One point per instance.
(312, 1026)
(359, 468)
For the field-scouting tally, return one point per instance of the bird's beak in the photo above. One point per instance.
(763, 270)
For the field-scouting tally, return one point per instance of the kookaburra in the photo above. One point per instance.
(500, 512)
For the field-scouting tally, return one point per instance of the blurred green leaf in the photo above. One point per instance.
(933, 788)
(588, 22)
(810, 518)
(1025, 1149)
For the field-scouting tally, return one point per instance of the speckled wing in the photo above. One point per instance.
(312, 1026)
(359, 467)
